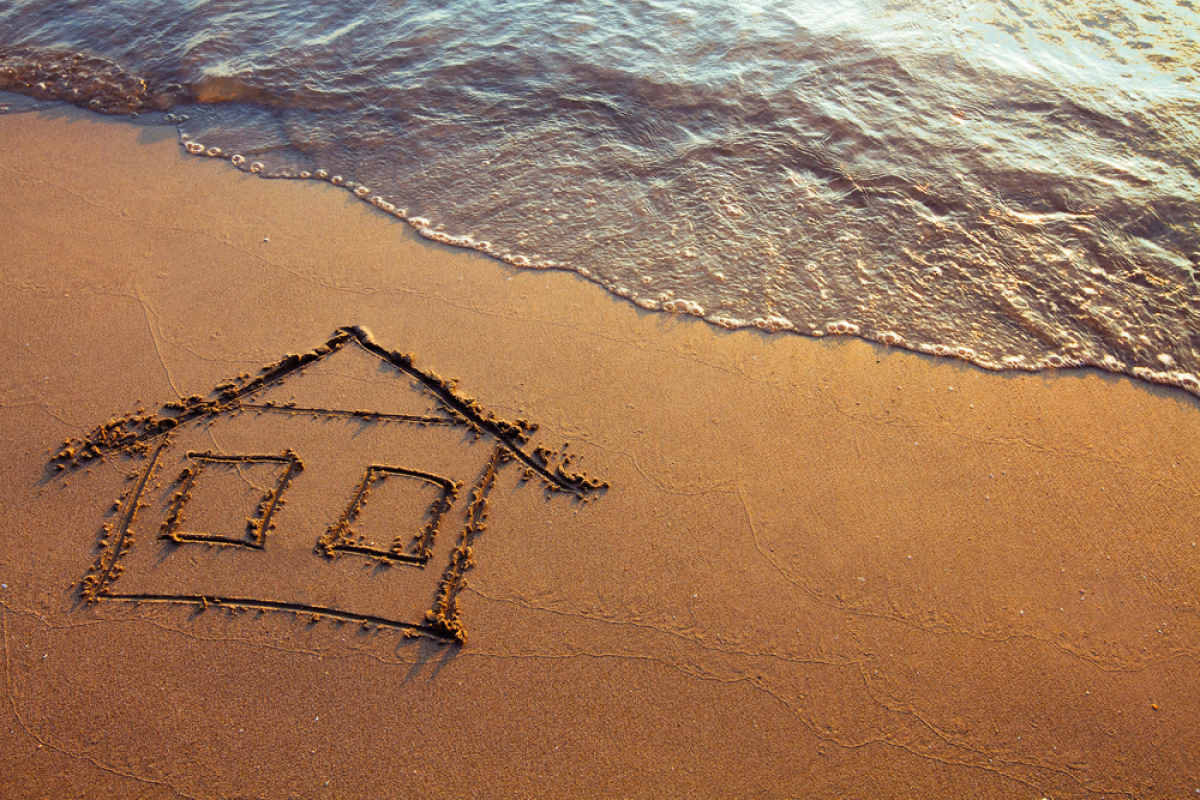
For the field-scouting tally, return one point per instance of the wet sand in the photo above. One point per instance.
(821, 568)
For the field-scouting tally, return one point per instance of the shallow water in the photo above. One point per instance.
(1014, 184)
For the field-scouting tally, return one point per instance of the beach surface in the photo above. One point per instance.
(818, 568)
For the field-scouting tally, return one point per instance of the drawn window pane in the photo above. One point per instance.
(393, 514)
(229, 499)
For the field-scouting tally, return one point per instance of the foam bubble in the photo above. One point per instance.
(362, 191)
(195, 148)
(438, 236)
(237, 160)
(683, 307)
(842, 328)
(86, 80)
(322, 174)
(257, 166)
(773, 324)
(213, 152)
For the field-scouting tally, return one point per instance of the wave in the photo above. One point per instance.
(1016, 190)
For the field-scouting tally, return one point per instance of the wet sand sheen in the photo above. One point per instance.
(823, 568)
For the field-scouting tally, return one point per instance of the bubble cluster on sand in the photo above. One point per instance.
(444, 238)
(89, 81)
(1183, 380)
(683, 307)
(773, 324)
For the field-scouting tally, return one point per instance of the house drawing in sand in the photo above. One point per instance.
(342, 483)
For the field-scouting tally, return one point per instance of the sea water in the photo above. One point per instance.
(1010, 182)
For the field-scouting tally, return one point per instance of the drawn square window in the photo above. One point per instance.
(394, 515)
(228, 499)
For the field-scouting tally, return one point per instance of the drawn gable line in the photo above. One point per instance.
(133, 433)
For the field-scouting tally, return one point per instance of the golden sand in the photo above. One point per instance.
(820, 568)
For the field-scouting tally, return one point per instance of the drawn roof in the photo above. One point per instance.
(134, 434)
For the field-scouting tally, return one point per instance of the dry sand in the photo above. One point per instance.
(822, 568)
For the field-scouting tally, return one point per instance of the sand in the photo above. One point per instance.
(821, 568)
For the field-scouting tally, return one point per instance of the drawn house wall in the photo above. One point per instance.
(344, 483)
